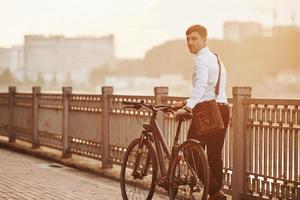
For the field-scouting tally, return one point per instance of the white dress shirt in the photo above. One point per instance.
(205, 77)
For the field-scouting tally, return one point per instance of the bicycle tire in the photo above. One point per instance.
(184, 177)
(127, 178)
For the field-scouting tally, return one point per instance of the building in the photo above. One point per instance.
(236, 31)
(58, 57)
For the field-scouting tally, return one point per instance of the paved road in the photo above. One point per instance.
(26, 177)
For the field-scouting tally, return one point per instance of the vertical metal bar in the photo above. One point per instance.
(291, 159)
(266, 159)
(285, 153)
(277, 114)
(128, 132)
(297, 110)
(289, 115)
(248, 143)
(273, 113)
(270, 158)
(255, 129)
(275, 152)
(260, 150)
(296, 156)
(252, 149)
(231, 146)
(226, 151)
(263, 112)
(285, 114)
(280, 154)
(294, 114)
(255, 112)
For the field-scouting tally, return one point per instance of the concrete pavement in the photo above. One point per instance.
(26, 177)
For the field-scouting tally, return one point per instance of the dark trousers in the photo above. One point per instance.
(214, 144)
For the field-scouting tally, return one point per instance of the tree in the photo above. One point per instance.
(7, 78)
(53, 82)
(40, 79)
(68, 80)
(98, 74)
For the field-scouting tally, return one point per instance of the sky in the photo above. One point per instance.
(138, 25)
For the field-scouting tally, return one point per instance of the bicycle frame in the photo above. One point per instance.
(159, 142)
(161, 145)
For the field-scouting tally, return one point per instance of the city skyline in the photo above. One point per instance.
(138, 25)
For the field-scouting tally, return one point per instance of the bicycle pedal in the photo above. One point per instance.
(162, 182)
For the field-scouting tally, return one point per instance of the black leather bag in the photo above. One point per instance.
(206, 115)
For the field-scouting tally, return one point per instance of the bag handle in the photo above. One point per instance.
(217, 88)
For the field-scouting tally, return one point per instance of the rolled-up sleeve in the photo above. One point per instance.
(200, 82)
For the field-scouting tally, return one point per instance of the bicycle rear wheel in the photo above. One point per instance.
(138, 171)
(189, 172)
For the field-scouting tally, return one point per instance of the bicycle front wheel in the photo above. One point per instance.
(138, 171)
(189, 175)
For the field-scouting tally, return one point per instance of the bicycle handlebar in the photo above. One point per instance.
(153, 107)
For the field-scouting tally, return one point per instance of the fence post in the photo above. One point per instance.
(106, 162)
(159, 92)
(239, 120)
(36, 91)
(11, 112)
(67, 91)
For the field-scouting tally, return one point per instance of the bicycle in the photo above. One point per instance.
(143, 160)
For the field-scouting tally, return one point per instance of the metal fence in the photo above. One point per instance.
(261, 149)
(272, 147)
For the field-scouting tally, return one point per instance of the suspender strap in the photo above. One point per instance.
(217, 88)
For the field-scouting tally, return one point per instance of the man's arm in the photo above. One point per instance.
(201, 82)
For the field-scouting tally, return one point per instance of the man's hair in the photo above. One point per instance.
(197, 28)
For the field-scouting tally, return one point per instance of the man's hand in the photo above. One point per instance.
(182, 111)
(178, 105)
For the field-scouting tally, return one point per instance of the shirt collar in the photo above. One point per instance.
(202, 51)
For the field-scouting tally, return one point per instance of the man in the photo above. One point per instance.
(205, 76)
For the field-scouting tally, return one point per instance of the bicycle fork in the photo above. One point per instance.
(143, 172)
